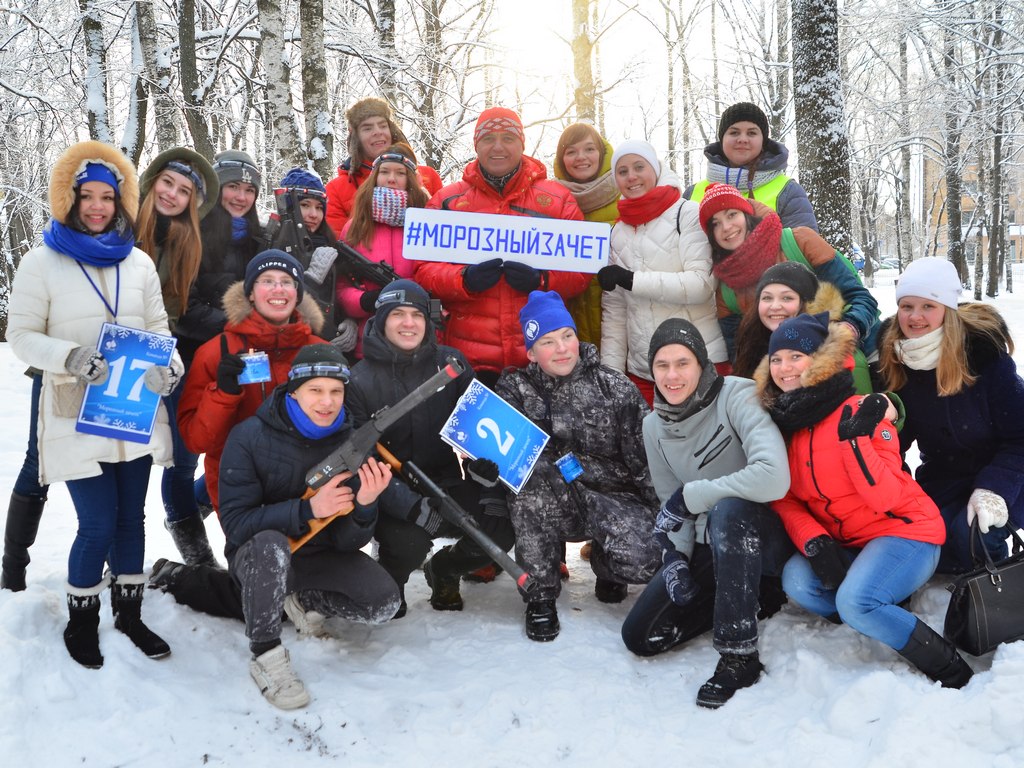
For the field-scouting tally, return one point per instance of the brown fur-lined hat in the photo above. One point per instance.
(74, 160)
(356, 114)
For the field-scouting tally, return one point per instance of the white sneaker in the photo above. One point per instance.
(276, 680)
(309, 623)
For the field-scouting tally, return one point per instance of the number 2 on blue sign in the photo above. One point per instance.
(117, 371)
(485, 426)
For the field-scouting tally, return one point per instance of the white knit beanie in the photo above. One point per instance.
(637, 147)
(930, 278)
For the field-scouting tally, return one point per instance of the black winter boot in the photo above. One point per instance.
(189, 537)
(936, 657)
(23, 515)
(542, 620)
(734, 671)
(81, 635)
(608, 591)
(126, 596)
(443, 581)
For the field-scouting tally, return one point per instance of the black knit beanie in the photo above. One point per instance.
(793, 275)
(677, 330)
(743, 112)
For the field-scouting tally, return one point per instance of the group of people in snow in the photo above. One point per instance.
(728, 418)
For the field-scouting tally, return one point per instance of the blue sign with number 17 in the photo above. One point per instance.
(483, 425)
(122, 407)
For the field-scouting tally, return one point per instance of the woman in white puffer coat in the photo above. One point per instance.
(660, 266)
(86, 273)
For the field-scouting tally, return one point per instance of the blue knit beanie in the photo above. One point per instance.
(543, 313)
(273, 259)
(98, 171)
(803, 333)
(307, 182)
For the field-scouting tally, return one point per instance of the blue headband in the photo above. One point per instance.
(96, 171)
(187, 171)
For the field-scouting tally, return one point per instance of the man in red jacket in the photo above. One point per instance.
(371, 130)
(484, 299)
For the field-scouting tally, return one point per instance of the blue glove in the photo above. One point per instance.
(480, 277)
(522, 277)
(673, 513)
(679, 583)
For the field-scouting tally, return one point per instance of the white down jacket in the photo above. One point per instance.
(671, 278)
(54, 309)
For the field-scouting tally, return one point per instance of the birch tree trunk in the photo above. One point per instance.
(287, 143)
(96, 72)
(158, 72)
(582, 61)
(192, 93)
(954, 185)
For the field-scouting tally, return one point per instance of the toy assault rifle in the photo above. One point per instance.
(351, 455)
(361, 269)
(293, 236)
(450, 509)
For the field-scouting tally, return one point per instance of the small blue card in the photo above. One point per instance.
(122, 407)
(483, 425)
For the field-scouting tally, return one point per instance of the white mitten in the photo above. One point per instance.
(320, 263)
(989, 508)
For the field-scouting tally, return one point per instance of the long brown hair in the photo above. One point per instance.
(953, 373)
(183, 244)
(361, 225)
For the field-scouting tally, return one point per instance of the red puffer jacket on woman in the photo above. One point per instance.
(206, 414)
(485, 326)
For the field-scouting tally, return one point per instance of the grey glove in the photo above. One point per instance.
(429, 519)
(320, 263)
(348, 334)
(161, 379)
(87, 364)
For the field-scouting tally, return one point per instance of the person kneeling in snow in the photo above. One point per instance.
(262, 481)
(591, 481)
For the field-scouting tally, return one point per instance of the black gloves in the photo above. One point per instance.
(521, 277)
(368, 301)
(679, 583)
(483, 471)
(862, 424)
(828, 560)
(480, 277)
(228, 370)
(613, 275)
(426, 516)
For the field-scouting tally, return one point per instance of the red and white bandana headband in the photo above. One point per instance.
(499, 125)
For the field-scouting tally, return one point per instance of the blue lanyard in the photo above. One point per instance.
(117, 290)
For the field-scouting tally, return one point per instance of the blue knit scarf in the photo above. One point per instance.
(306, 426)
(239, 227)
(103, 250)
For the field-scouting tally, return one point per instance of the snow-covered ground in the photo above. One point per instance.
(468, 689)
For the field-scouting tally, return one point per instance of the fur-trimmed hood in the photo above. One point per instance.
(237, 307)
(829, 299)
(835, 354)
(69, 164)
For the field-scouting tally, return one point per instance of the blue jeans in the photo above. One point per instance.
(887, 571)
(111, 510)
(27, 483)
(177, 484)
(956, 552)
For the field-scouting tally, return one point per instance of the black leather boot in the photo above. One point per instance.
(23, 516)
(936, 657)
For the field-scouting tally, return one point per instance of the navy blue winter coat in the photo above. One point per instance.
(974, 439)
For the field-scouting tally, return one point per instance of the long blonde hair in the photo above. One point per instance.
(183, 244)
(953, 373)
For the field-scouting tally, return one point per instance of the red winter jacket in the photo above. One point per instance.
(485, 326)
(207, 414)
(831, 493)
(341, 191)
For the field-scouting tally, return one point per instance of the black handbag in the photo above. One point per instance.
(987, 606)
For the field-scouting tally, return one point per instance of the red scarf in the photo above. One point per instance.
(647, 207)
(743, 267)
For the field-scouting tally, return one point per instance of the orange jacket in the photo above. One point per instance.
(485, 326)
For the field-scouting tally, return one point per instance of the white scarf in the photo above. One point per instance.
(922, 353)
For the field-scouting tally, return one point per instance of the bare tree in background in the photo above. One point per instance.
(96, 72)
(315, 94)
(582, 60)
(820, 118)
(192, 92)
(287, 144)
(157, 62)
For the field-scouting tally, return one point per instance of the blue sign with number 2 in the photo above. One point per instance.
(483, 425)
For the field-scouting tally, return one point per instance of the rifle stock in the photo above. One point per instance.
(354, 451)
